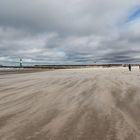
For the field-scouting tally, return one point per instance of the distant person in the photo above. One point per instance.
(129, 67)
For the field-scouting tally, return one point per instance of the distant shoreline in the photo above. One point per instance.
(4, 70)
(41, 67)
(68, 66)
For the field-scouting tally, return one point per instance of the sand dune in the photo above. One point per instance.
(82, 104)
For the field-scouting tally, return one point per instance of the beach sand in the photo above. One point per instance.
(76, 104)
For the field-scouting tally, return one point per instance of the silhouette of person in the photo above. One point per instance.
(129, 67)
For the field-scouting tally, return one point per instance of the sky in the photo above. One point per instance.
(69, 31)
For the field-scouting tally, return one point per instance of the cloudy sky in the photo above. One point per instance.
(69, 31)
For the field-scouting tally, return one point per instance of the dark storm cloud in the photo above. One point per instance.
(122, 56)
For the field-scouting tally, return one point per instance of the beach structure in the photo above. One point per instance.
(20, 62)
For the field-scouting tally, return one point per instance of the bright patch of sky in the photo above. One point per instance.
(134, 15)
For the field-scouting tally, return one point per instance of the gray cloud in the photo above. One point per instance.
(68, 32)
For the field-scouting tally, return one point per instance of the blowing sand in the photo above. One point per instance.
(82, 104)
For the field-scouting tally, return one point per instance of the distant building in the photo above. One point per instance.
(20, 62)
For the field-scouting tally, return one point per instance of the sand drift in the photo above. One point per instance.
(82, 104)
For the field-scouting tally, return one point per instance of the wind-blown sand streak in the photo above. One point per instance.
(83, 104)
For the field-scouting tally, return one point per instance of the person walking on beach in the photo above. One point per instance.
(129, 67)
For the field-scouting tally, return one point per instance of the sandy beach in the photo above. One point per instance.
(76, 104)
